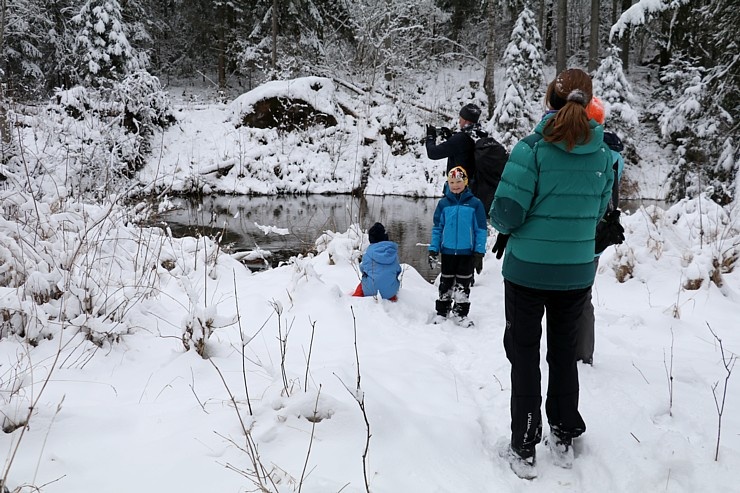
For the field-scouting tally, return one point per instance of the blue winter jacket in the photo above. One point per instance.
(459, 224)
(380, 269)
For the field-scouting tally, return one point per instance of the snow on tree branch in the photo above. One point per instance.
(640, 13)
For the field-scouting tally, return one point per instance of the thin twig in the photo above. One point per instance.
(729, 364)
(243, 345)
(310, 442)
(308, 359)
(669, 375)
(643, 376)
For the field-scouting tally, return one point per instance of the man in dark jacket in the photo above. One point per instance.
(459, 147)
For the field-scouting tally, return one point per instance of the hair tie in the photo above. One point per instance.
(578, 96)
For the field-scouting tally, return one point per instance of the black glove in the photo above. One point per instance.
(431, 132)
(433, 260)
(609, 231)
(500, 245)
(445, 133)
(478, 262)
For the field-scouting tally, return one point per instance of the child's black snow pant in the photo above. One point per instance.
(454, 285)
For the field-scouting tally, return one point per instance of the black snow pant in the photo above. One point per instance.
(525, 308)
(454, 284)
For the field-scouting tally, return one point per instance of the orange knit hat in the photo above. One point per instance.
(595, 110)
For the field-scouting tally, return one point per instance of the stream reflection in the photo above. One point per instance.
(407, 220)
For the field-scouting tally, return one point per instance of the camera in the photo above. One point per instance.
(444, 132)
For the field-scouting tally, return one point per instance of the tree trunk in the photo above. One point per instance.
(615, 11)
(541, 18)
(4, 124)
(665, 49)
(273, 61)
(548, 26)
(3, 8)
(221, 23)
(561, 57)
(593, 41)
(488, 82)
(388, 43)
(625, 55)
(5, 136)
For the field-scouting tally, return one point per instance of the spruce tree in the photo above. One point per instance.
(102, 48)
(699, 97)
(517, 111)
(696, 124)
(612, 87)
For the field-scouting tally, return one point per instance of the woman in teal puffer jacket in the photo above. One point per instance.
(554, 189)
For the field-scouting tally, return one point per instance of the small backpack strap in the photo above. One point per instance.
(615, 187)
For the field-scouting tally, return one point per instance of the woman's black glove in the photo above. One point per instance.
(431, 132)
(609, 231)
(500, 245)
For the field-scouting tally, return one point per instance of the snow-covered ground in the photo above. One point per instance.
(159, 364)
(290, 347)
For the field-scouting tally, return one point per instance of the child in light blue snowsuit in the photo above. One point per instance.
(380, 266)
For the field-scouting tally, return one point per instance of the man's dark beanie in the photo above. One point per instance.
(377, 233)
(470, 112)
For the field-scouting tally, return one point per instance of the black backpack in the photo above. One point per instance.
(490, 158)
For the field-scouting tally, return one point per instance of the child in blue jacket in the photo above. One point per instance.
(459, 234)
(380, 266)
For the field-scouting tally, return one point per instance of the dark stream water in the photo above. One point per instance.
(407, 220)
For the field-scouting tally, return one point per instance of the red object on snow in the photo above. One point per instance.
(358, 292)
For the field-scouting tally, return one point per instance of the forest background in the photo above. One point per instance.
(110, 60)
(89, 134)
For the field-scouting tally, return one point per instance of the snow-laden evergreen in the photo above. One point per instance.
(697, 124)
(102, 48)
(612, 87)
(520, 107)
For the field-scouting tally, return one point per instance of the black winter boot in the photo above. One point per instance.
(443, 307)
(460, 315)
(461, 309)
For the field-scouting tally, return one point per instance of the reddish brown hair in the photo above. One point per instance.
(569, 93)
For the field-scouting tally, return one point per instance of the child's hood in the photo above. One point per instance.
(384, 252)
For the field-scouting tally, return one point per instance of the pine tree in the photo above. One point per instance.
(517, 111)
(25, 31)
(612, 87)
(696, 123)
(699, 98)
(102, 48)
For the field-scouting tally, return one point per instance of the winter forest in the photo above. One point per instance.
(135, 358)
(112, 62)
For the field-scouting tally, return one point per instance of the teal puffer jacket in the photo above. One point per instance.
(549, 201)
